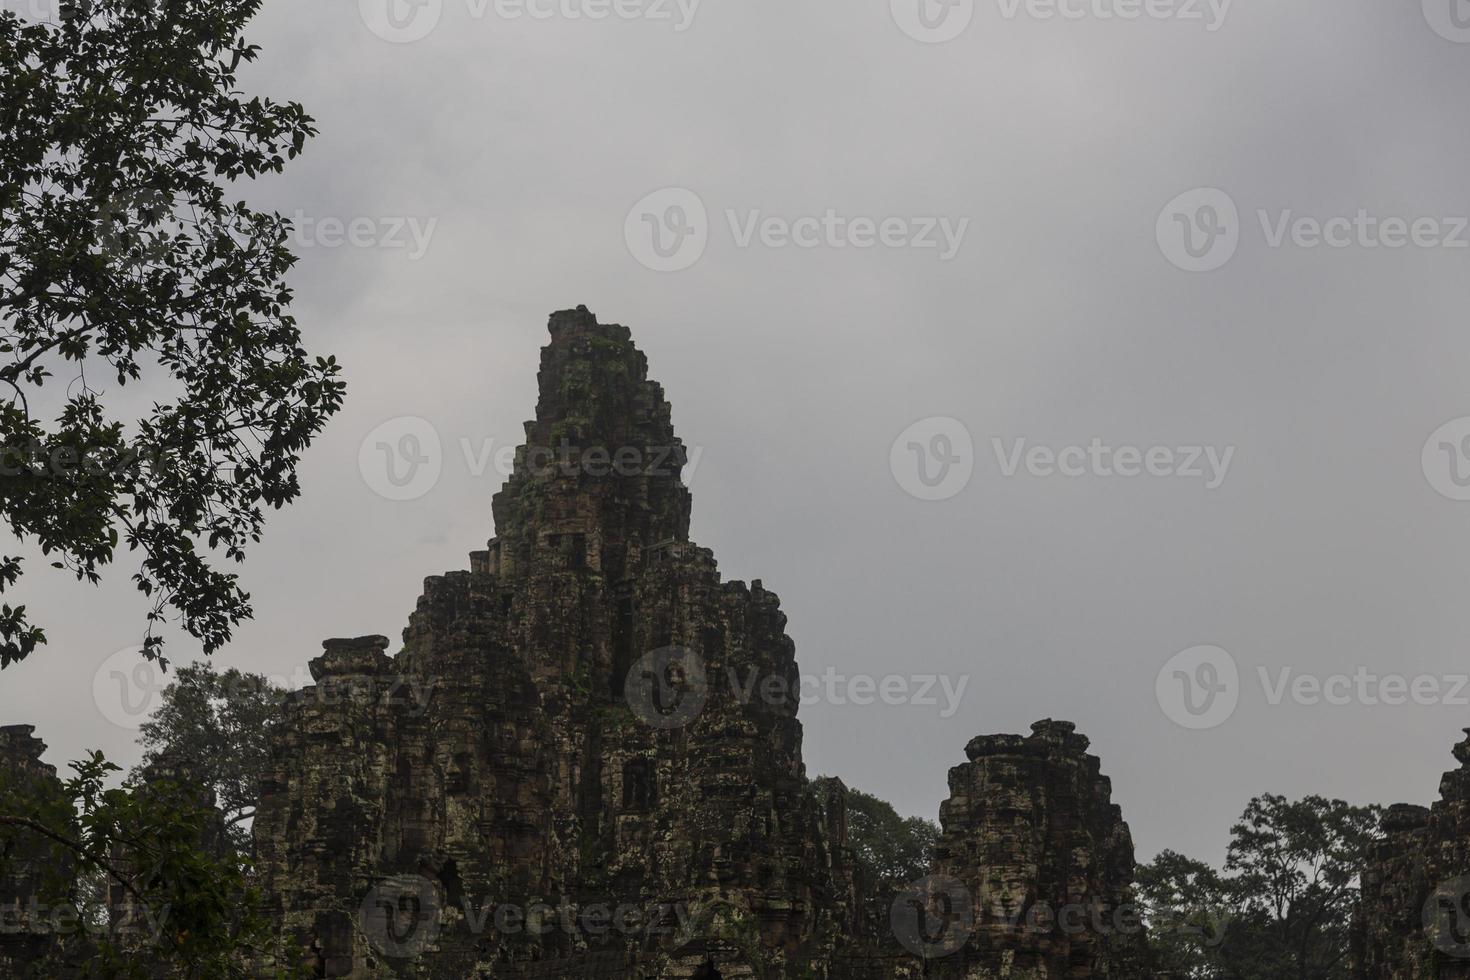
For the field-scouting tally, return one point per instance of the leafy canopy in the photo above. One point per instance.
(1282, 905)
(893, 851)
(136, 872)
(121, 258)
(217, 726)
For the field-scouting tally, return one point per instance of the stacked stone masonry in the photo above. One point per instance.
(559, 772)
(425, 804)
(1413, 917)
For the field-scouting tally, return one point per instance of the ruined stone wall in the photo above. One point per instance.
(1413, 917)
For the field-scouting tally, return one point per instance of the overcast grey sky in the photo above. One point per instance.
(1060, 311)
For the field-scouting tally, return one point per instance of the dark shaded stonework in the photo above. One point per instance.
(559, 773)
(1413, 918)
(494, 766)
(584, 761)
(1032, 833)
(28, 937)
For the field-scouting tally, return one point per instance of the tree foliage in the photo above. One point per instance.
(1188, 912)
(892, 850)
(217, 726)
(121, 258)
(133, 869)
(1282, 904)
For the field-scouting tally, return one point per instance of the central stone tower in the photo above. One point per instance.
(585, 761)
(492, 801)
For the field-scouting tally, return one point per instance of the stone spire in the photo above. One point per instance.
(599, 473)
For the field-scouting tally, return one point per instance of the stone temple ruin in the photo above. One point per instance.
(555, 777)
(1413, 919)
